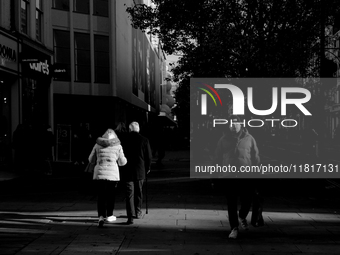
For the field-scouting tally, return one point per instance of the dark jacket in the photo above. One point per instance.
(237, 151)
(138, 153)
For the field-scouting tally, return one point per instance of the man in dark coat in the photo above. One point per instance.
(138, 153)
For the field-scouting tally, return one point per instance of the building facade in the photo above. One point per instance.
(75, 64)
(25, 68)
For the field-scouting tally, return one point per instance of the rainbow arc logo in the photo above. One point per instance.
(204, 98)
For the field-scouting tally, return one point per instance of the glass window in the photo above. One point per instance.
(24, 16)
(62, 52)
(38, 19)
(61, 5)
(82, 57)
(82, 6)
(101, 59)
(101, 8)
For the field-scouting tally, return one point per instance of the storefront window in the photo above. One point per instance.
(61, 5)
(82, 6)
(101, 8)
(101, 59)
(38, 19)
(82, 57)
(24, 16)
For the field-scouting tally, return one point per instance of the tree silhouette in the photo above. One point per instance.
(237, 38)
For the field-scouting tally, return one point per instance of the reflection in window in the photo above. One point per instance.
(101, 59)
(38, 19)
(62, 53)
(101, 8)
(61, 5)
(82, 6)
(24, 16)
(82, 57)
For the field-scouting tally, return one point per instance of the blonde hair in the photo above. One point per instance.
(109, 134)
(134, 126)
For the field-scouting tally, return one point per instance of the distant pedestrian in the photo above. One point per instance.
(76, 146)
(108, 152)
(237, 148)
(20, 146)
(48, 141)
(139, 156)
(121, 132)
(82, 140)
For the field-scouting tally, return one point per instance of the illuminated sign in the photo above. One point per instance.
(8, 53)
(35, 64)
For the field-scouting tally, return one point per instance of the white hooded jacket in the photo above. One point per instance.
(109, 155)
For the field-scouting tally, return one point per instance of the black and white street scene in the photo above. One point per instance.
(170, 127)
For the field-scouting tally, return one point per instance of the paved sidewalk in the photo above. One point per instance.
(8, 175)
(185, 216)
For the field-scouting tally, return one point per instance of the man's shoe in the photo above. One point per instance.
(111, 218)
(233, 234)
(244, 224)
(101, 222)
(129, 222)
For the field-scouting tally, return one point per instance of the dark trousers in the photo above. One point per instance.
(134, 198)
(243, 189)
(106, 197)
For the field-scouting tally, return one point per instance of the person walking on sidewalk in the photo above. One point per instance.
(237, 148)
(21, 145)
(108, 152)
(139, 156)
(121, 132)
(48, 142)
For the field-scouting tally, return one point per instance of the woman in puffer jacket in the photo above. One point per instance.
(109, 155)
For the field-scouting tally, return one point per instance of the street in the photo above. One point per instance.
(57, 215)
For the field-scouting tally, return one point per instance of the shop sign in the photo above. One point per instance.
(61, 71)
(41, 67)
(8, 53)
(35, 64)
